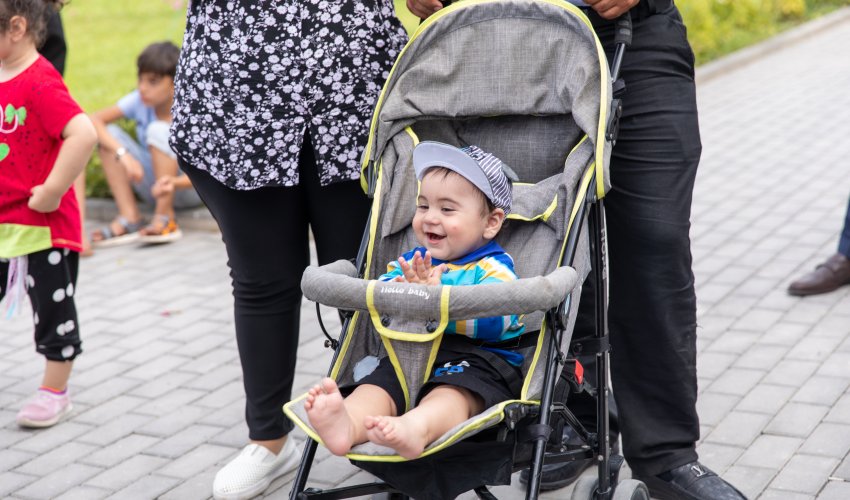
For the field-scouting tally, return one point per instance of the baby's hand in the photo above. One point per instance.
(421, 270)
(43, 200)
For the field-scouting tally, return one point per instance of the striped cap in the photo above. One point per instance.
(483, 170)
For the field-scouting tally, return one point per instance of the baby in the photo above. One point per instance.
(463, 200)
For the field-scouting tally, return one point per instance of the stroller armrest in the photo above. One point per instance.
(336, 285)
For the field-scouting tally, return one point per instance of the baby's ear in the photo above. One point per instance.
(495, 219)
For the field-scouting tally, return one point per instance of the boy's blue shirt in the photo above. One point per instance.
(487, 264)
(134, 109)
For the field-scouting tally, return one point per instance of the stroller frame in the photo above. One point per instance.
(596, 444)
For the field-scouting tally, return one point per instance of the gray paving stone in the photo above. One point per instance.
(835, 490)
(171, 423)
(195, 461)
(804, 474)
(184, 441)
(765, 398)
(836, 364)
(157, 367)
(54, 483)
(797, 419)
(761, 357)
(115, 429)
(10, 459)
(791, 373)
(56, 458)
(84, 493)
(232, 393)
(125, 473)
(770, 452)
(738, 429)
(48, 439)
(831, 440)
(170, 400)
(815, 349)
(749, 480)
(108, 410)
(713, 407)
(120, 450)
(840, 412)
(737, 381)
(12, 481)
(162, 385)
(145, 488)
(822, 390)
(784, 495)
(102, 392)
(785, 333)
(197, 487)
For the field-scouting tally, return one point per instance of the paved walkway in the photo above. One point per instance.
(158, 392)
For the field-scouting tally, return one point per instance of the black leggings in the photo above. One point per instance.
(265, 232)
(51, 279)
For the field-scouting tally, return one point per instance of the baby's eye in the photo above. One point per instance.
(448, 209)
(421, 207)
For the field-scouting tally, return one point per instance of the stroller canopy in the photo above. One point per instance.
(503, 58)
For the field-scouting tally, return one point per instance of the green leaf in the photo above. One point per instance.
(10, 113)
(22, 115)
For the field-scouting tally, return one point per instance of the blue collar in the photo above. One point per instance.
(491, 248)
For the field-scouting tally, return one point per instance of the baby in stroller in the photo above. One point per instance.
(464, 196)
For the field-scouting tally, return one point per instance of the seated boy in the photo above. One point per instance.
(147, 165)
(463, 199)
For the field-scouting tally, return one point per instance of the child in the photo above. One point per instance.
(45, 142)
(463, 199)
(149, 166)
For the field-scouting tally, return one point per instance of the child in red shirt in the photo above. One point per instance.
(45, 141)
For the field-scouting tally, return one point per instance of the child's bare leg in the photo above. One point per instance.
(338, 420)
(120, 186)
(440, 410)
(56, 374)
(163, 165)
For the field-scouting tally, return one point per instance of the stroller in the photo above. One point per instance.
(528, 81)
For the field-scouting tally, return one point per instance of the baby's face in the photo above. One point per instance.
(452, 218)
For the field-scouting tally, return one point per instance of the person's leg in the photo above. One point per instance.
(265, 234)
(652, 308)
(337, 213)
(52, 277)
(116, 176)
(844, 240)
(442, 408)
(340, 422)
(164, 163)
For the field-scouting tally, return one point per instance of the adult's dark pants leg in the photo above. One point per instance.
(265, 232)
(844, 241)
(652, 303)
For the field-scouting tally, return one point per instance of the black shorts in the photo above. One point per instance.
(481, 372)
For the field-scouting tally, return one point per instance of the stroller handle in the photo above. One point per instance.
(337, 285)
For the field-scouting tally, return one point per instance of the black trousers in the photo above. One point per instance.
(51, 283)
(652, 308)
(265, 232)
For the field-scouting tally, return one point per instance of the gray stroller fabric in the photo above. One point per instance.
(525, 80)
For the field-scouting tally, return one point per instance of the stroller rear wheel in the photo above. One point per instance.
(631, 489)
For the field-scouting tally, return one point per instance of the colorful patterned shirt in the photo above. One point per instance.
(254, 75)
(488, 264)
(35, 106)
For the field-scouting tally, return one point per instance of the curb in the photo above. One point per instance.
(197, 219)
(740, 58)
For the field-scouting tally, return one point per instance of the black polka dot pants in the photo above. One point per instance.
(50, 281)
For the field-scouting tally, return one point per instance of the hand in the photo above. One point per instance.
(163, 186)
(134, 169)
(43, 199)
(610, 9)
(420, 270)
(423, 8)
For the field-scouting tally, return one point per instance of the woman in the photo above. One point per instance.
(271, 114)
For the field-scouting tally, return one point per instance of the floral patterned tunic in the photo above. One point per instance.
(254, 75)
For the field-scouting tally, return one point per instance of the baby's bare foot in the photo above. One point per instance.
(398, 434)
(327, 414)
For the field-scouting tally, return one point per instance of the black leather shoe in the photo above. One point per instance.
(692, 481)
(557, 476)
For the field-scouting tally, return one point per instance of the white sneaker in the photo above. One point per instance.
(251, 472)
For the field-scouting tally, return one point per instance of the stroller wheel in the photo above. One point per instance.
(585, 488)
(631, 489)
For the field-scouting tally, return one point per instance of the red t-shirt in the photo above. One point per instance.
(35, 106)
